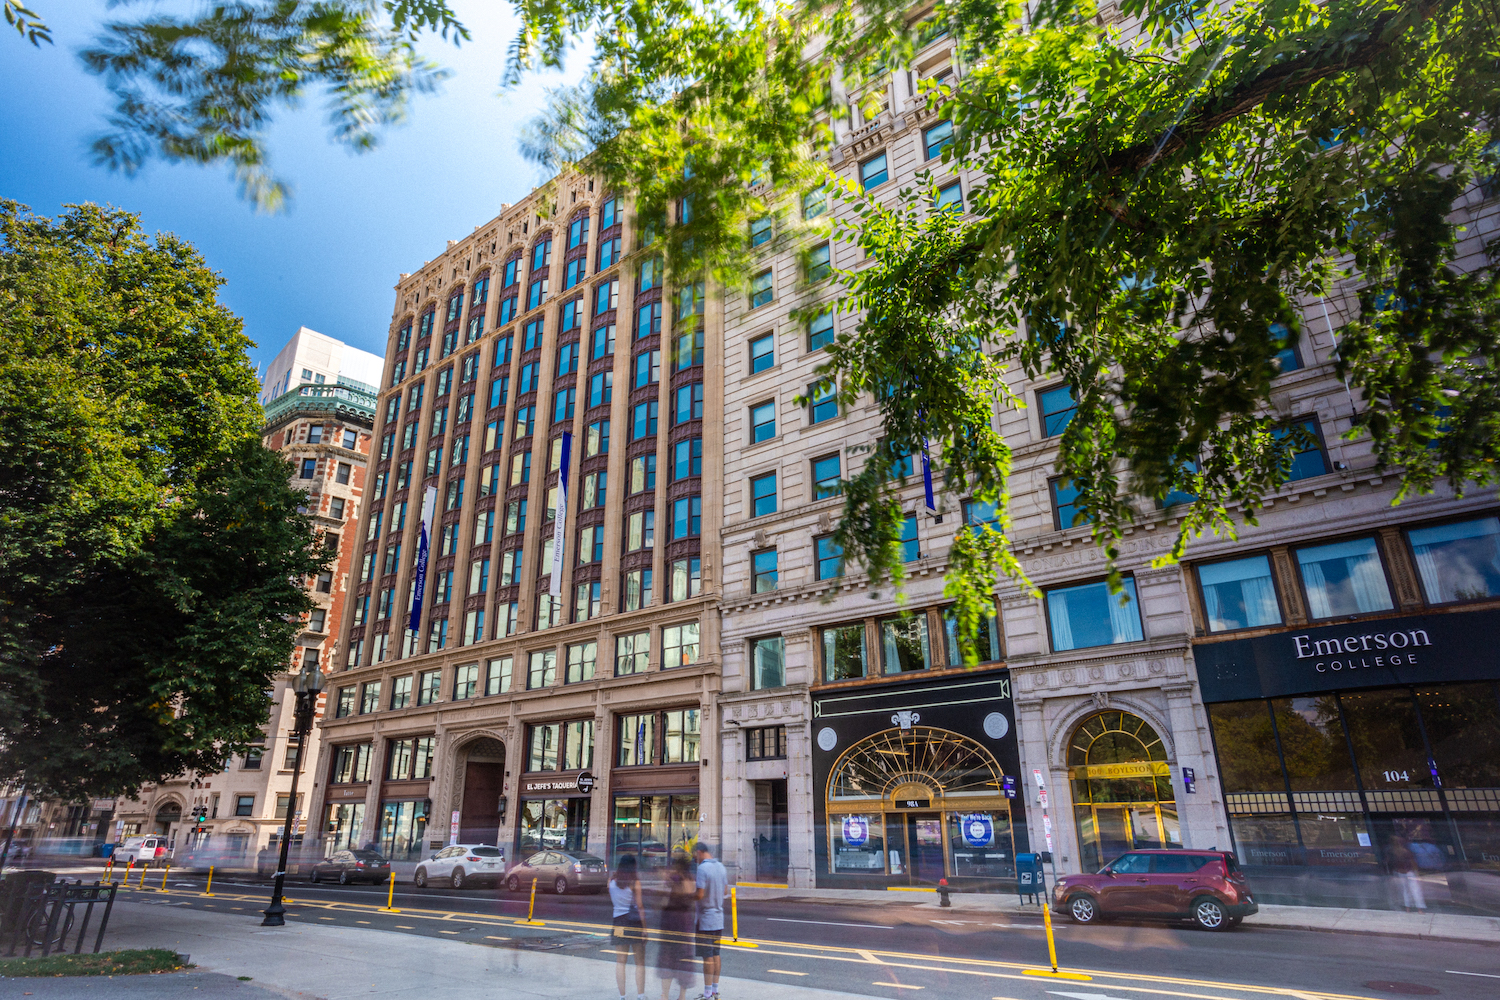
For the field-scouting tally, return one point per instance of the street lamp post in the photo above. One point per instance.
(308, 685)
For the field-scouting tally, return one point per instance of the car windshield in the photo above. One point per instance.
(583, 856)
(485, 852)
(369, 856)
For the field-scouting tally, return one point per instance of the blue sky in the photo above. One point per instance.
(355, 222)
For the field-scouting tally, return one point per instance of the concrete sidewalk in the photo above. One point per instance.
(334, 963)
(1426, 924)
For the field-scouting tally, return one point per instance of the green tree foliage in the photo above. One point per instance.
(1158, 195)
(151, 552)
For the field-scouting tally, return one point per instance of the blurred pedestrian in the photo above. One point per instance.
(713, 883)
(630, 924)
(675, 950)
(1404, 864)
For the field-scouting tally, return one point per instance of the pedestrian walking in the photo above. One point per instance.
(713, 883)
(677, 918)
(630, 924)
(1404, 864)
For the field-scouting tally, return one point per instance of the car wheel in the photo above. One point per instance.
(1209, 914)
(314, 877)
(1235, 921)
(1082, 910)
(343, 877)
(420, 878)
(513, 884)
(457, 878)
(560, 886)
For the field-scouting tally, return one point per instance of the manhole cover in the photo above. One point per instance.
(1410, 989)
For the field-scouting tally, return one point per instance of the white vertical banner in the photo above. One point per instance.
(559, 524)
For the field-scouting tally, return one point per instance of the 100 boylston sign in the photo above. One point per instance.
(1376, 652)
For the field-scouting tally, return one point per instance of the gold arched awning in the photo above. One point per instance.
(893, 764)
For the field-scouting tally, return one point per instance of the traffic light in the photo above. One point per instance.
(202, 813)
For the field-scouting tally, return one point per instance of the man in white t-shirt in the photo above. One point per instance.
(713, 883)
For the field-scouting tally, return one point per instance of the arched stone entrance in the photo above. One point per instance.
(1122, 788)
(484, 784)
(167, 814)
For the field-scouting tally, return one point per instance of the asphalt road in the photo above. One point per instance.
(896, 951)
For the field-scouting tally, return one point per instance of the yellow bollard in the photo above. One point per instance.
(208, 890)
(1052, 949)
(164, 877)
(531, 910)
(734, 910)
(390, 899)
(141, 885)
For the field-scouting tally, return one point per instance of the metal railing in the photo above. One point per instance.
(322, 398)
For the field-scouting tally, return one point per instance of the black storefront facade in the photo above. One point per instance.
(916, 782)
(1364, 752)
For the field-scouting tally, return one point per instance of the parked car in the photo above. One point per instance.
(144, 851)
(1206, 887)
(345, 867)
(560, 871)
(220, 858)
(463, 865)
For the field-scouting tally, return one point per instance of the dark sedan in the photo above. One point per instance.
(344, 867)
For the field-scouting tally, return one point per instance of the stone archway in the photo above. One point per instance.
(484, 783)
(167, 813)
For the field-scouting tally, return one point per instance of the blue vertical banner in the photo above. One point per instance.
(424, 545)
(927, 477)
(560, 520)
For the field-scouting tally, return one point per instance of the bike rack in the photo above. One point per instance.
(46, 905)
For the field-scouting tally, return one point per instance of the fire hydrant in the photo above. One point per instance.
(943, 893)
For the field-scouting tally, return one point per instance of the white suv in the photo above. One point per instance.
(462, 865)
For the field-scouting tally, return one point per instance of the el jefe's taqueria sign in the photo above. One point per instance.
(1405, 649)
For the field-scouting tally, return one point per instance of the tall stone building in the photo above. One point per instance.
(319, 399)
(1313, 694)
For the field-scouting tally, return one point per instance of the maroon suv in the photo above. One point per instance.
(1204, 886)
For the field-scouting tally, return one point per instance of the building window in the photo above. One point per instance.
(830, 558)
(687, 517)
(689, 403)
(1344, 578)
(351, 764)
(1288, 358)
(632, 653)
(1064, 503)
(428, 686)
(643, 420)
(951, 196)
(595, 490)
(904, 645)
(763, 495)
(763, 571)
(253, 757)
(466, 682)
(317, 620)
(762, 289)
(986, 643)
(820, 331)
(640, 530)
(344, 707)
(604, 341)
(682, 733)
(637, 740)
(765, 743)
(762, 353)
(873, 173)
(826, 474)
(679, 645)
(815, 203)
(581, 662)
(819, 263)
(309, 468)
(601, 389)
(823, 402)
(844, 653)
(637, 589)
(548, 608)
(543, 743)
(647, 369)
(1057, 408)
(1238, 593)
(910, 548)
(1458, 561)
(401, 692)
(687, 578)
(244, 805)
(687, 458)
(642, 474)
(937, 138)
(341, 473)
(648, 320)
(980, 512)
(586, 601)
(497, 676)
(563, 405)
(1089, 615)
(1309, 461)
(763, 421)
(767, 663)
(542, 670)
(761, 231)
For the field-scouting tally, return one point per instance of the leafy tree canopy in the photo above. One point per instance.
(1161, 192)
(151, 553)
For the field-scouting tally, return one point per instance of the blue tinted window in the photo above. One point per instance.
(763, 495)
(1057, 409)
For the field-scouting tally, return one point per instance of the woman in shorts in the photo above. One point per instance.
(630, 924)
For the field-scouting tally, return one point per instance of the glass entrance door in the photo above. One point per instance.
(924, 846)
(1107, 831)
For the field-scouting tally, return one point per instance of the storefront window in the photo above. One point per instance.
(1089, 615)
(402, 827)
(342, 825)
(903, 644)
(1344, 578)
(557, 824)
(988, 640)
(1239, 594)
(843, 652)
(1312, 744)
(858, 844)
(1387, 739)
(654, 827)
(1458, 562)
(1463, 725)
(980, 845)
